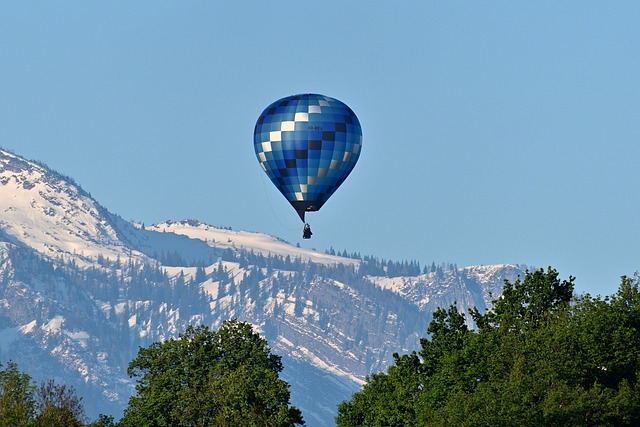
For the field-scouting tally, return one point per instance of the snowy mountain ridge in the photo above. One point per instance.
(244, 240)
(43, 211)
(81, 290)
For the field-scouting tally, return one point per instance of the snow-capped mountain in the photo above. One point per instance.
(46, 212)
(81, 290)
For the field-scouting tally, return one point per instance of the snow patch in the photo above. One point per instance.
(211, 288)
(27, 328)
(319, 363)
(54, 325)
(119, 308)
(81, 337)
(258, 242)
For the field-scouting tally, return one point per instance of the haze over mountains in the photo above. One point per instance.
(81, 290)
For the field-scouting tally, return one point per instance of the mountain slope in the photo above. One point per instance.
(81, 290)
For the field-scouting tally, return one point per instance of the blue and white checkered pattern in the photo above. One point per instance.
(307, 144)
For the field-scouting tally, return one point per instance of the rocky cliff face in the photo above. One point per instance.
(81, 290)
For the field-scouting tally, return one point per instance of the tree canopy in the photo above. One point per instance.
(49, 405)
(227, 377)
(17, 403)
(540, 356)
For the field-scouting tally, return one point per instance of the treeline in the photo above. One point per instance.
(373, 266)
(111, 281)
(540, 356)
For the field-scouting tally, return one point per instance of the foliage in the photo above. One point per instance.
(539, 357)
(103, 421)
(50, 405)
(17, 405)
(58, 405)
(210, 378)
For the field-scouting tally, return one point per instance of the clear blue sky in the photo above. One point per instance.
(494, 131)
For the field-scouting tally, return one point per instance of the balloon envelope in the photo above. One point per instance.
(307, 144)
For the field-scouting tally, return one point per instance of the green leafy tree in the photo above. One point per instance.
(539, 357)
(387, 399)
(49, 405)
(58, 405)
(103, 421)
(227, 377)
(527, 303)
(17, 405)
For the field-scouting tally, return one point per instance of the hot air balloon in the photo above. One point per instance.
(307, 144)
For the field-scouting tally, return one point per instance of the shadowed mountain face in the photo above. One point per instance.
(81, 290)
